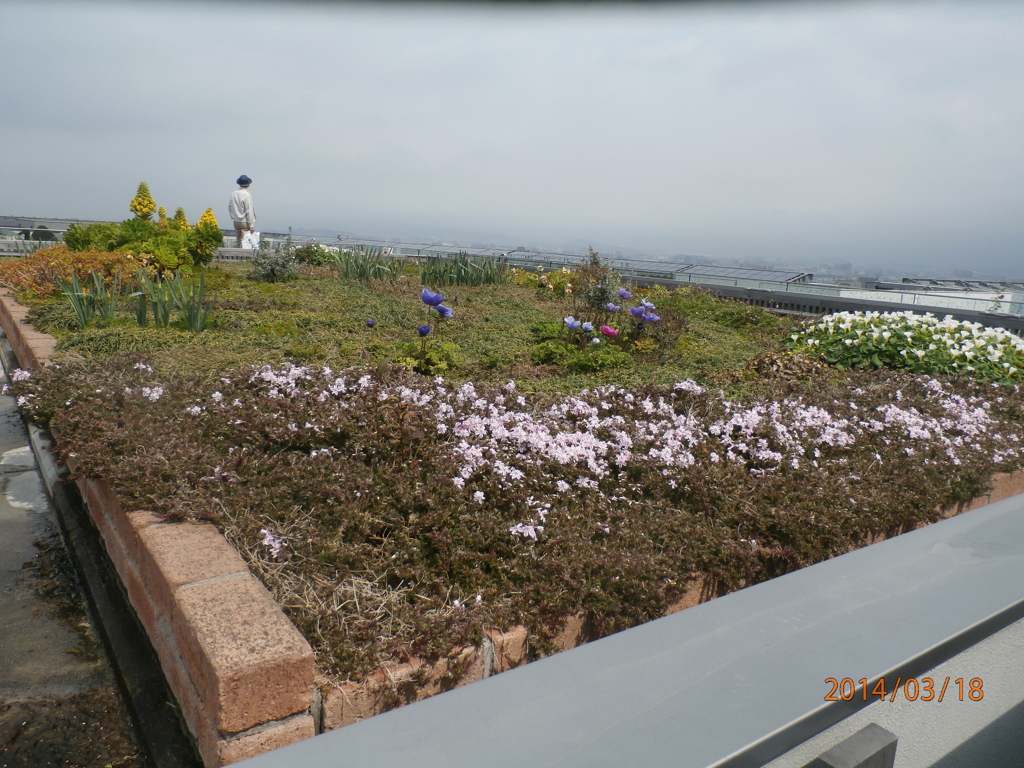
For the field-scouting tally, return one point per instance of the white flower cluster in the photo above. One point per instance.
(924, 342)
(152, 393)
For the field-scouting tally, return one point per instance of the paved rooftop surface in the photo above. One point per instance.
(58, 702)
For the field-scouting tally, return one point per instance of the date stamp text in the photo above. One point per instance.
(912, 689)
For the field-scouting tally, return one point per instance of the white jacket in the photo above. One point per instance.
(240, 207)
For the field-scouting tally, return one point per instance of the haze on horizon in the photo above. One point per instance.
(868, 133)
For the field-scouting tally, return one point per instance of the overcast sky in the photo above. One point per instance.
(876, 134)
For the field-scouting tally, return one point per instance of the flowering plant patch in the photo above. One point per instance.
(395, 515)
(920, 343)
(558, 282)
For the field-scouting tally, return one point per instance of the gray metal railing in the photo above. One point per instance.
(18, 247)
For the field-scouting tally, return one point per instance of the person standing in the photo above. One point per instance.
(241, 209)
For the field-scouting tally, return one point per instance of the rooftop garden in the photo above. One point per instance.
(409, 453)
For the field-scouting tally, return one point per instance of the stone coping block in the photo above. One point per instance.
(33, 349)
(246, 658)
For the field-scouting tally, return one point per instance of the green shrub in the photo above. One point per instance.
(313, 254)
(103, 236)
(167, 250)
(598, 357)
(546, 329)
(597, 282)
(550, 352)
(170, 252)
(273, 264)
(437, 358)
(170, 245)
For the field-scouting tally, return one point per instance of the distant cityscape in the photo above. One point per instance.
(841, 273)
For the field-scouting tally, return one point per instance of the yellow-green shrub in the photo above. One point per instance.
(143, 205)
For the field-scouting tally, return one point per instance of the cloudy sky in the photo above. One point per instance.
(875, 134)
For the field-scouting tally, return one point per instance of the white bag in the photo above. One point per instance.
(251, 240)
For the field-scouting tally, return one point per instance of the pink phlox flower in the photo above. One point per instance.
(526, 531)
(272, 542)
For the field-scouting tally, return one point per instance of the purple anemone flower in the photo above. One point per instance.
(423, 330)
(650, 317)
(572, 323)
(647, 304)
(636, 311)
(588, 327)
(624, 294)
(430, 298)
(370, 323)
(612, 307)
(445, 312)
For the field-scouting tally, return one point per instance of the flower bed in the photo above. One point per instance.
(398, 517)
(421, 531)
(920, 343)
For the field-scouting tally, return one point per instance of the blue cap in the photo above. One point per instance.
(244, 180)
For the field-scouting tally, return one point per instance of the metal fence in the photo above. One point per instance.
(17, 247)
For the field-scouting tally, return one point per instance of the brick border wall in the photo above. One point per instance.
(242, 674)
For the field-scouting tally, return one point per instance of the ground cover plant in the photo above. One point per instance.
(395, 515)
(920, 343)
(395, 512)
